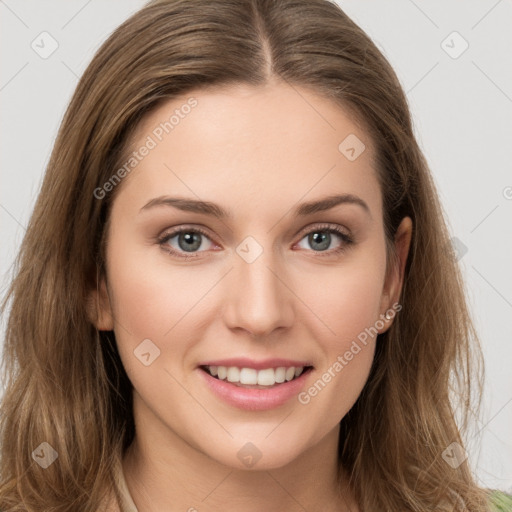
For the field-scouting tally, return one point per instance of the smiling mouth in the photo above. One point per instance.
(256, 379)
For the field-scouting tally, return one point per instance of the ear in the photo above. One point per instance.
(395, 276)
(99, 309)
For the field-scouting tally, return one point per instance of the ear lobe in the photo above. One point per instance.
(394, 281)
(99, 309)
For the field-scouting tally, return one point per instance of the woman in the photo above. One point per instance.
(177, 339)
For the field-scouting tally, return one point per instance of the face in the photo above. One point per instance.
(275, 282)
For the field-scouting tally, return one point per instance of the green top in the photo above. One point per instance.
(501, 502)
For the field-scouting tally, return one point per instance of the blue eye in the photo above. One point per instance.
(321, 238)
(190, 240)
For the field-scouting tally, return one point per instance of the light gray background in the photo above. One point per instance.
(462, 113)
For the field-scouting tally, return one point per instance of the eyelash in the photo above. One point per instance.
(327, 228)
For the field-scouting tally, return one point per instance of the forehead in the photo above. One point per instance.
(251, 146)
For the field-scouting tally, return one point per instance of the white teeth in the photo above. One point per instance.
(250, 376)
(280, 375)
(233, 374)
(266, 377)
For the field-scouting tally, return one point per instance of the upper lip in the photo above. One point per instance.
(244, 362)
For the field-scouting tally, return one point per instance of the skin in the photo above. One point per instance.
(292, 301)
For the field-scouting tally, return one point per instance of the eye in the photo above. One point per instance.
(188, 240)
(320, 239)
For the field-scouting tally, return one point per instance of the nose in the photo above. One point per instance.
(259, 297)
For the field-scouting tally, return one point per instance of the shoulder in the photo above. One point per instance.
(500, 501)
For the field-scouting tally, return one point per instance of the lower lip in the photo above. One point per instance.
(255, 399)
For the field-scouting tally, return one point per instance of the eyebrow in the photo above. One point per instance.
(209, 208)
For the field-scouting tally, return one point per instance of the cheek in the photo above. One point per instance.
(154, 300)
(347, 298)
(348, 307)
(338, 385)
(348, 346)
(150, 294)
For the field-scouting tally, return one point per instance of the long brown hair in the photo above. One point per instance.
(65, 384)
